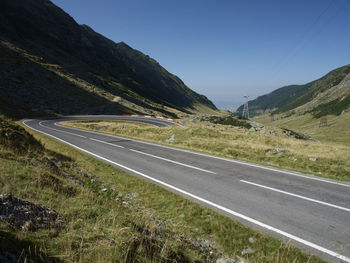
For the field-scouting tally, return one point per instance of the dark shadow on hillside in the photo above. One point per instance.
(13, 249)
(28, 89)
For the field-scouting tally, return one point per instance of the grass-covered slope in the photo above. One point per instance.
(275, 100)
(327, 95)
(337, 129)
(81, 59)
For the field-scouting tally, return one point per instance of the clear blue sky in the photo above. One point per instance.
(225, 49)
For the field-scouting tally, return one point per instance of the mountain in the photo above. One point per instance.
(52, 64)
(327, 95)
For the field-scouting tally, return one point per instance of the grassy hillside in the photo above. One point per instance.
(104, 215)
(337, 130)
(275, 100)
(327, 95)
(320, 86)
(46, 56)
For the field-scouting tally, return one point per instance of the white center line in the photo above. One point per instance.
(171, 161)
(309, 177)
(295, 195)
(40, 123)
(116, 145)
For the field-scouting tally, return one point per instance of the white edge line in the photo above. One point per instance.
(249, 219)
(107, 143)
(295, 195)
(40, 123)
(310, 177)
(171, 161)
(151, 155)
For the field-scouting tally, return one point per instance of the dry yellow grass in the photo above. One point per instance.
(333, 160)
(337, 131)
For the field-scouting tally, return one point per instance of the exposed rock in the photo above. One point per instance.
(102, 128)
(28, 226)
(256, 125)
(27, 216)
(130, 196)
(251, 240)
(277, 150)
(206, 247)
(171, 139)
(51, 166)
(307, 136)
(271, 132)
(293, 134)
(248, 250)
(282, 150)
(59, 164)
(313, 159)
(73, 178)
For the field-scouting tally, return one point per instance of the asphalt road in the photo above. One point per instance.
(311, 212)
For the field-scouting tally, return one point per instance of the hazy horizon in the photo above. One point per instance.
(228, 49)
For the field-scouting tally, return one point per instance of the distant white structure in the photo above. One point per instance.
(245, 113)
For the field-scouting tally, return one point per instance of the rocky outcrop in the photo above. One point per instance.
(27, 216)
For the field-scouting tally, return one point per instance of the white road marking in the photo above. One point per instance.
(40, 123)
(107, 143)
(171, 161)
(249, 219)
(295, 195)
(310, 177)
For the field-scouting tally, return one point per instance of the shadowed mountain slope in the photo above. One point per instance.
(38, 34)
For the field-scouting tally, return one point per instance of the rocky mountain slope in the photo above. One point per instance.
(51, 64)
(327, 95)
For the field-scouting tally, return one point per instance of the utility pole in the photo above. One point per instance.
(245, 108)
(323, 121)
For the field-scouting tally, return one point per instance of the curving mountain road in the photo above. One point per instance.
(311, 212)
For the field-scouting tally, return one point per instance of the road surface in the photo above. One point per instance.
(311, 212)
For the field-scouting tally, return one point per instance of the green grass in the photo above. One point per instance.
(334, 107)
(337, 131)
(132, 221)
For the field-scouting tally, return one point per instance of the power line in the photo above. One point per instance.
(302, 40)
